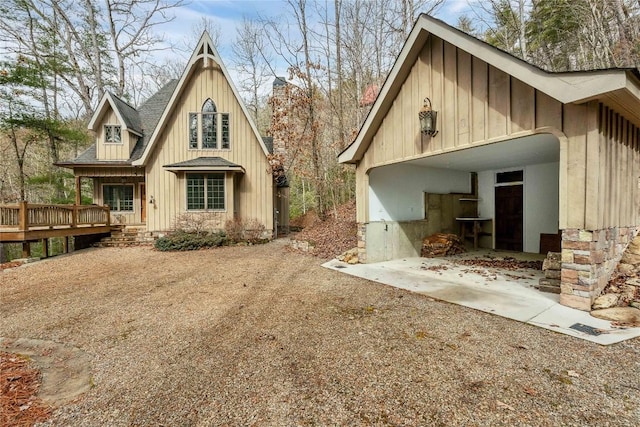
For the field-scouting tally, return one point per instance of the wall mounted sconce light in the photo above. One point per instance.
(427, 118)
(152, 200)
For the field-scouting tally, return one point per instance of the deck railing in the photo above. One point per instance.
(25, 216)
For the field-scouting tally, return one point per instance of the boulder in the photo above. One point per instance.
(628, 292)
(630, 258)
(626, 269)
(605, 301)
(629, 316)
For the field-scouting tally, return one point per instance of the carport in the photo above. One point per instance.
(523, 173)
(463, 133)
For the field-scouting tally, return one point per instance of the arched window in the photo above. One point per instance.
(209, 125)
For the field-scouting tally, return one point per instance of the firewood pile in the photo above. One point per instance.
(441, 244)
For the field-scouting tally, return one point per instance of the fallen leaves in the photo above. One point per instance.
(333, 236)
(19, 384)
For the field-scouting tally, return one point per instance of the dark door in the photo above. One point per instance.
(509, 217)
(143, 203)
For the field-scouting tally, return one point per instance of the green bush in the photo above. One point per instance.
(181, 241)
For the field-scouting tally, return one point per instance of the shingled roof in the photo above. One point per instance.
(205, 164)
(129, 114)
(142, 121)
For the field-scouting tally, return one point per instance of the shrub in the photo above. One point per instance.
(181, 241)
(249, 230)
(195, 223)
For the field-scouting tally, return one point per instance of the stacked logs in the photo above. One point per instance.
(441, 244)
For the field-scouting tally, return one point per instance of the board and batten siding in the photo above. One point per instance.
(479, 104)
(253, 191)
(113, 151)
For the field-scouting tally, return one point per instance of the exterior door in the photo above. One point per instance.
(143, 203)
(509, 217)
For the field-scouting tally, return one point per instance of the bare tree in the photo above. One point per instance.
(252, 63)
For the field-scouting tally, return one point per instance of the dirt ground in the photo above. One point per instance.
(260, 335)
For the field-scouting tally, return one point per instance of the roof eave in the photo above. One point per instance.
(72, 165)
(176, 169)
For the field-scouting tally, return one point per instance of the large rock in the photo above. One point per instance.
(632, 253)
(605, 301)
(629, 316)
(626, 269)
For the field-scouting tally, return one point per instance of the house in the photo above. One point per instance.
(519, 158)
(191, 148)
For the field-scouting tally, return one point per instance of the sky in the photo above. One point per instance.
(228, 14)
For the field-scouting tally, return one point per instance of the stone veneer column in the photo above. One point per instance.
(362, 246)
(588, 260)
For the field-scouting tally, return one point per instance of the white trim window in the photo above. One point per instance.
(205, 191)
(209, 129)
(118, 197)
(112, 134)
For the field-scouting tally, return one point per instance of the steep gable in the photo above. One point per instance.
(205, 54)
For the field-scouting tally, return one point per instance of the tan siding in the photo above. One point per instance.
(476, 104)
(593, 179)
(435, 143)
(112, 151)
(575, 129)
(448, 104)
(464, 100)
(548, 111)
(498, 102)
(522, 106)
(480, 97)
(619, 170)
(255, 187)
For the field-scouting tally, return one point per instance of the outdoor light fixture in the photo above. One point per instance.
(427, 118)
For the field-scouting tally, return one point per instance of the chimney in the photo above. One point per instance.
(280, 101)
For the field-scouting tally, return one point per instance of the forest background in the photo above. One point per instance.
(60, 56)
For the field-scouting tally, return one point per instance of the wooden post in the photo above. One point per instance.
(26, 250)
(23, 222)
(74, 215)
(78, 190)
(45, 247)
(65, 245)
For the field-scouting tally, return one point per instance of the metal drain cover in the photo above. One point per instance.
(586, 329)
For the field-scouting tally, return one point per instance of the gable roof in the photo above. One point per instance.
(204, 51)
(145, 119)
(127, 115)
(619, 88)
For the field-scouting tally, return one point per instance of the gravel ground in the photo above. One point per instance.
(259, 335)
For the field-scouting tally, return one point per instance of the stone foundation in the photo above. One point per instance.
(588, 260)
(362, 247)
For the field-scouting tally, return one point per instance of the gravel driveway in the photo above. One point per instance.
(263, 336)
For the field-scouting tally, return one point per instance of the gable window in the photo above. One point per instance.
(225, 130)
(209, 129)
(118, 197)
(205, 191)
(112, 134)
(209, 125)
(193, 130)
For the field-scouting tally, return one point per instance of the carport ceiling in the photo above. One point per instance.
(530, 150)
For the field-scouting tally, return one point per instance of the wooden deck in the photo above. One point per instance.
(26, 222)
